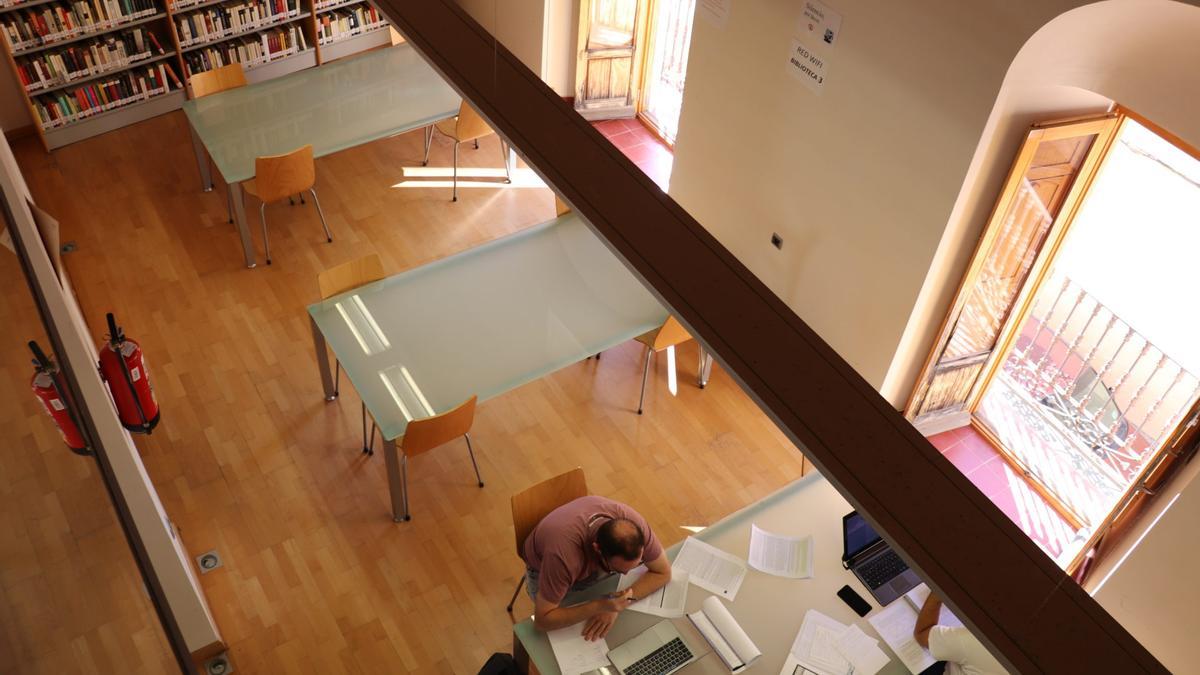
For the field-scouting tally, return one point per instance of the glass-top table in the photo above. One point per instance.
(770, 609)
(479, 323)
(332, 107)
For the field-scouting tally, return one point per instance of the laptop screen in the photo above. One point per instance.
(856, 534)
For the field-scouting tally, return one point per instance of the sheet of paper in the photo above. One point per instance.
(895, 624)
(667, 601)
(815, 646)
(862, 651)
(711, 568)
(781, 555)
(792, 666)
(917, 597)
(574, 654)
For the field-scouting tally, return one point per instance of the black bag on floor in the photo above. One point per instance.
(500, 664)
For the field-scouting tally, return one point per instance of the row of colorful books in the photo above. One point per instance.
(60, 21)
(218, 21)
(264, 47)
(87, 59)
(325, 5)
(343, 23)
(132, 86)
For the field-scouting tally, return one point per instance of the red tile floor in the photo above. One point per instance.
(641, 146)
(1000, 483)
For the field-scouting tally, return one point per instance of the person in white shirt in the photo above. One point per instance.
(963, 653)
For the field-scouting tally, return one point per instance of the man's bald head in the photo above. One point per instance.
(621, 538)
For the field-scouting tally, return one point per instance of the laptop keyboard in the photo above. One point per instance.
(662, 660)
(882, 569)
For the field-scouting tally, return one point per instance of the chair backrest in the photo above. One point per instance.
(350, 275)
(217, 80)
(560, 207)
(470, 125)
(426, 434)
(532, 504)
(671, 334)
(278, 176)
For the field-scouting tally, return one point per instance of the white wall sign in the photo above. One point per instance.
(716, 11)
(807, 66)
(819, 23)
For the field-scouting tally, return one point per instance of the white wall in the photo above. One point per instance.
(859, 181)
(560, 37)
(518, 24)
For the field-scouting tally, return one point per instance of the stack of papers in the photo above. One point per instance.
(917, 596)
(780, 555)
(667, 601)
(574, 654)
(826, 646)
(710, 568)
(895, 624)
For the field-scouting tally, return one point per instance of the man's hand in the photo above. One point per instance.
(617, 602)
(599, 625)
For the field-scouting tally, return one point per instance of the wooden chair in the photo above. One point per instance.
(335, 281)
(467, 125)
(426, 434)
(280, 176)
(217, 80)
(213, 82)
(533, 504)
(666, 336)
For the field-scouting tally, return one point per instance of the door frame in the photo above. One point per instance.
(636, 70)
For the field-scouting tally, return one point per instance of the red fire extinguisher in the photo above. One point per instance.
(124, 367)
(47, 388)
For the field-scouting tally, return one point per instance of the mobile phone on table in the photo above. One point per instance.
(855, 601)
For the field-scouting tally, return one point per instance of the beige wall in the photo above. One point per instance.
(518, 24)
(859, 181)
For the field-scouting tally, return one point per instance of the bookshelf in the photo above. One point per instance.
(90, 66)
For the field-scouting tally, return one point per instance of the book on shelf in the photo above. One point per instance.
(65, 20)
(349, 21)
(51, 68)
(228, 19)
(66, 106)
(250, 50)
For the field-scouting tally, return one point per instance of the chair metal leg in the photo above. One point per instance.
(428, 142)
(517, 592)
(262, 215)
(504, 157)
(366, 450)
(313, 192)
(301, 195)
(472, 453)
(476, 143)
(337, 377)
(291, 202)
(229, 205)
(645, 372)
(371, 443)
(454, 197)
(404, 483)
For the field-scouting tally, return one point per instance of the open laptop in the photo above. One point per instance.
(873, 561)
(658, 650)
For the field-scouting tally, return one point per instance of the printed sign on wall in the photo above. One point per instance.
(808, 61)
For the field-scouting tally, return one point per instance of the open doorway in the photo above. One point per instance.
(1067, 347)
(633, 61)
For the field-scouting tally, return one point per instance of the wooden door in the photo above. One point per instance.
(1043, 181)
(608, 67)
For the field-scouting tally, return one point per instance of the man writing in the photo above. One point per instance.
(581, 543)
(962, 652)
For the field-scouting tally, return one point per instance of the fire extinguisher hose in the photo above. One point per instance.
(116, 340)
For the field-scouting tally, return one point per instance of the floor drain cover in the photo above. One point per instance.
(218, 665)
(208, 562)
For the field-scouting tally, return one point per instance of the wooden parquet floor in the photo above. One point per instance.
(250, 460)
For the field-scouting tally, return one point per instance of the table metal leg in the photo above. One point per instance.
(206, 183)
(704, 370)
(323, 361)
(239, 218)
(396, 487)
